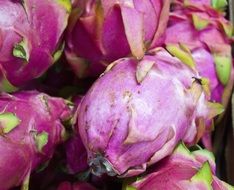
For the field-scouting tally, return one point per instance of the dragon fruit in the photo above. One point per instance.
(77, 186)
(30, 128)
(30, 37)
(206, 37)
(5, 86)
(191, 33)
(76, 155)
(137, 111)
(102, 31)
(219, 5)
(181, 171)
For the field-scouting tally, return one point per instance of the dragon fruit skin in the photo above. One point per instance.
(17, 157)
(76, 155)
(30, 37)
(183, 170)
(207, 36)
(197, 28)
(77, 186)
(30, 129)
(196, 2)
(102, 32)
(126, 124)
(204, 4)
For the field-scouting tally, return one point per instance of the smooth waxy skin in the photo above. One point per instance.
(30, 34)
(183, 170)
(31, 140)
(127, 119)
(14, 163)
(207, 35)
(207, 38)
(102, 31)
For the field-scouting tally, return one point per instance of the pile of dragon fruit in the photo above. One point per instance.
(113, 94)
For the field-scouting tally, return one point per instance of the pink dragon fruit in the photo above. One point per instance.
(181, 171)
(220, 5)
(76, 155)
(5, 86)
(72, 154)
(103, 31)
(200, 3)
(77, 186)
(137, 111)
(191, 33)
(30, 128)
(205, 36)
(30, 37)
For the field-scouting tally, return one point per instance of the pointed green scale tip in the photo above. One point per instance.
(129, 188)
(215, 109)
(66, 4)
(126, 185)
(228, 186)
(204, 175)
(6, 86)
(182, 55)
(41, 140)
(204, 153)
(199, 23)
(223, 67)
(20, 50)
(205, 81)
(184, 48)
(228, 29)
(206, 86)
(219, 4)
(182, 149)
(143, 69)
(58, 53)
(25, 184)
(8, 121)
